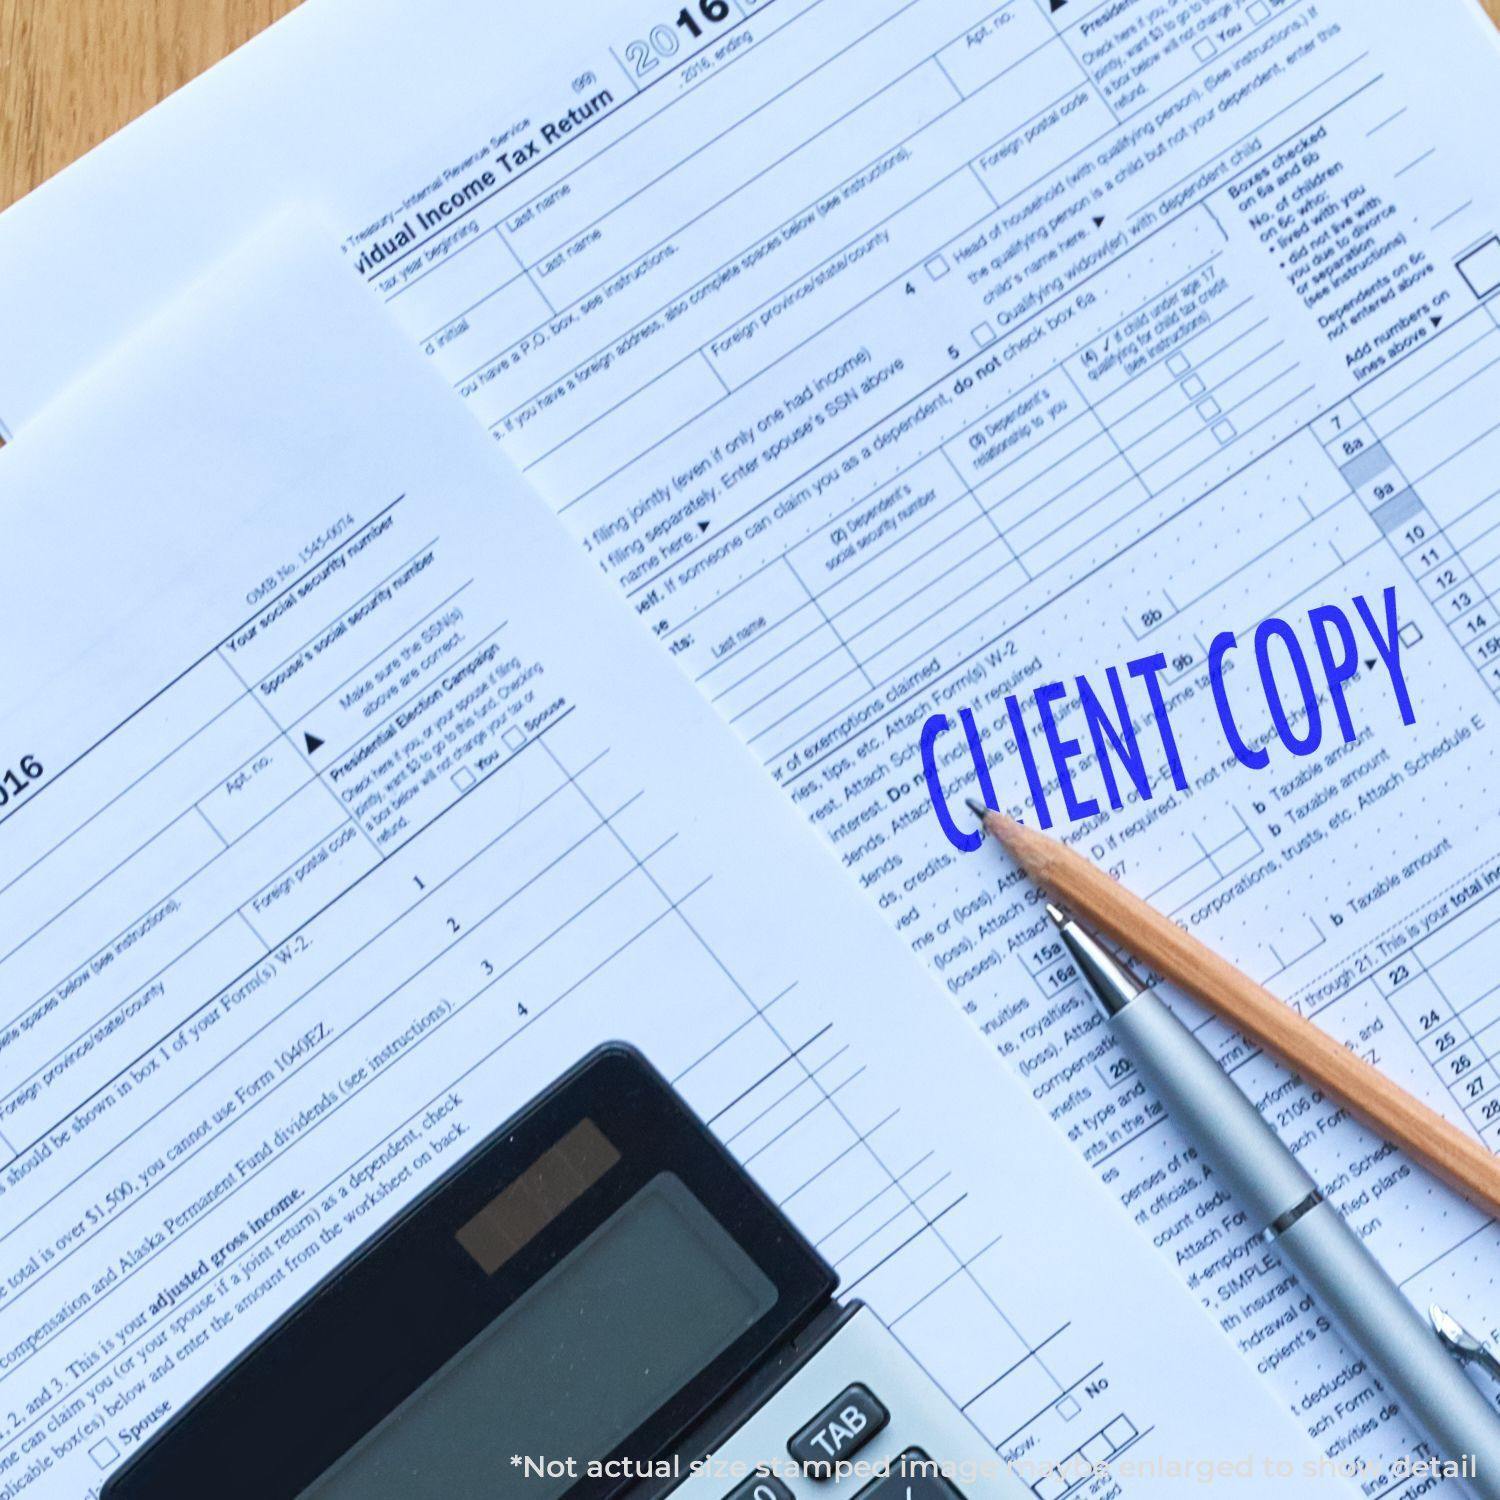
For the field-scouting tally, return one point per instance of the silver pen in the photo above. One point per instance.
(1267, 1181)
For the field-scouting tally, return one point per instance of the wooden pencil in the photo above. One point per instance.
(1101, 902)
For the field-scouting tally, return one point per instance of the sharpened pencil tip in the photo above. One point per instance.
(977, 808)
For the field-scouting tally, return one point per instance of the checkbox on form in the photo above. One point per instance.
(937, 267)
(1481, 268)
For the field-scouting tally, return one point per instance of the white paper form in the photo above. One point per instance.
(810, 332)
(351, 818)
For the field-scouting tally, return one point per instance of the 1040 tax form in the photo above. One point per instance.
(893, 355)
(355, 812)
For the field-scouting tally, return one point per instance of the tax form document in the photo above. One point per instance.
(891, 356)
(349, 811)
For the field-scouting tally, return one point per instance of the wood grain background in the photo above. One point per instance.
(74, 71)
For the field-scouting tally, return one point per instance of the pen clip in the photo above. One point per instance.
(1462, 1344)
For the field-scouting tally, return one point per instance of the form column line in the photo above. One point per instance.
(816, 603)
(286, 736)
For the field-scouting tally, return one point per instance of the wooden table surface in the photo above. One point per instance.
(73, 71)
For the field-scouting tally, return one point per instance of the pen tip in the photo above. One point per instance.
(1005, 829)
(1058, 915)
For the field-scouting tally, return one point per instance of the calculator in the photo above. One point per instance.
(597, 1301)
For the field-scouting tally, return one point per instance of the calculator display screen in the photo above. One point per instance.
(576, 1364)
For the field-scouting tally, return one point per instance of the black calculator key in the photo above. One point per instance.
(760, 1487)
(913, 1476)
(843, 1427)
